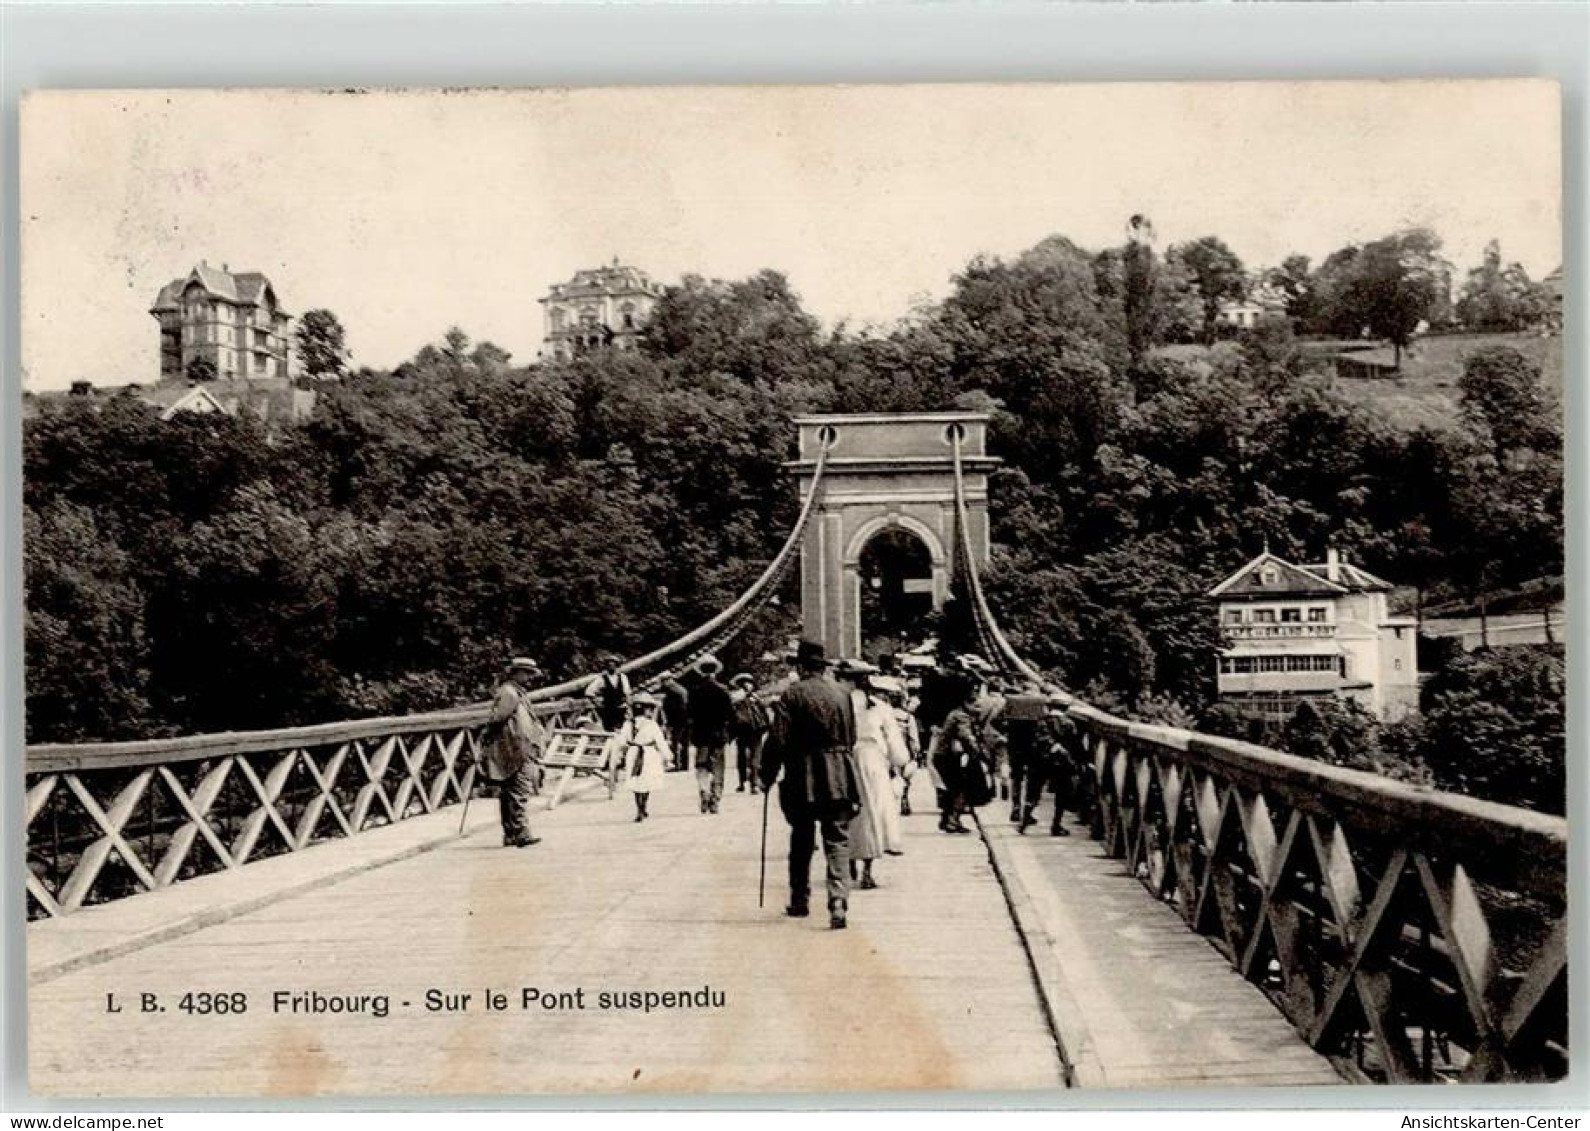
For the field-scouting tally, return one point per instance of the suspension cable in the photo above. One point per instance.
(993, 638)
(726, 625)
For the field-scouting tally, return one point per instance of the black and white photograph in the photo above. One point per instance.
(791, 590)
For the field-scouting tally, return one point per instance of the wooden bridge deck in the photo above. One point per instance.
(930, 988)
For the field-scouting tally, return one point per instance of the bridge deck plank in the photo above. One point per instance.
(1140, 1000)
(928, 989)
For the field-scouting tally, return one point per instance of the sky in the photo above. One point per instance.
(405, 212)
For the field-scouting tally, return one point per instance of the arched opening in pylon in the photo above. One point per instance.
(896, 574)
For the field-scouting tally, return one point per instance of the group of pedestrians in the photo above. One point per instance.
(702, 719)
(843, 743)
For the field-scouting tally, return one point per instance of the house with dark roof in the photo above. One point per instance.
(600, 308)
(1366, 364)
(274, 401)
(1295, 632)
(232, 319)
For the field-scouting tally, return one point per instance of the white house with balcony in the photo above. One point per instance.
(1297, 632)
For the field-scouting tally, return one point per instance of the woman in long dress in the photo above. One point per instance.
(640, 746)
(880, 748)
(894, 689)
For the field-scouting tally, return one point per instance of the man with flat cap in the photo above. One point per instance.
(512, 744)
(812, 740)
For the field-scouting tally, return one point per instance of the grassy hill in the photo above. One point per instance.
(1426, 392)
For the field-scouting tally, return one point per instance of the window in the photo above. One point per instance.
(1233, 616)
(1263, 616)
(1317, 614)
(1396, 665)
(1269, 575)
(1310, 663)
(1291, 616)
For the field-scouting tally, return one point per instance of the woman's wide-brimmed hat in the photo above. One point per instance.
(851, 668)
(887, 684)
(709, 665)
(644, 699)
(744, 679)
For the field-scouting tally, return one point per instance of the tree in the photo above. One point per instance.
(200, 369)
(752, 330)
(1337, 731)
(489, 357)
(1397, 284)
(87, 653)
(1501, 389)
(1498, 298)
(1295, 282)
(1331, 311)
(455, 345)
(322, 345)
(1033, 335)
(1494, 726)
(1218, 273)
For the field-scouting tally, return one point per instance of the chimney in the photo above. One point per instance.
(1333, 564)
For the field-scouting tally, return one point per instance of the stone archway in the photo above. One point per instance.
(908, 538)
(884, 471)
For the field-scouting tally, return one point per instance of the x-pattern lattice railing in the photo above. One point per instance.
(111, 820)
(1411, 935)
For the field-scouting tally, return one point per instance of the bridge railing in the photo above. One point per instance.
(1409, 934)
(110, 820)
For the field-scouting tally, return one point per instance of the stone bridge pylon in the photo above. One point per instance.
(884, 471)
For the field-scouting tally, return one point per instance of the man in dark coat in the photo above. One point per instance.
(512, 744)
(1020, 720)
(1034, 729)
(711, 717)
(812, 740)
(676, 722)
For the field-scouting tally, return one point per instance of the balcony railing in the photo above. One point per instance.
(1409, 934)
(1278, 631)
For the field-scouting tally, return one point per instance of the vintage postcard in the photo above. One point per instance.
(793, 589)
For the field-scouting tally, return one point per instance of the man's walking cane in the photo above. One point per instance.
(465, 817)
(761, 883)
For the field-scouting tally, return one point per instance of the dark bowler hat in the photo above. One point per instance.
(811, 652)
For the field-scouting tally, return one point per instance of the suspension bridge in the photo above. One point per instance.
(298, 911)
